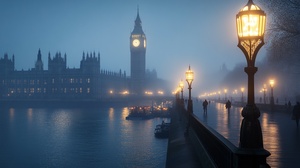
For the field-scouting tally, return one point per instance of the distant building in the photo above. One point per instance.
(60, 82)
(138, 57)
(87, 82)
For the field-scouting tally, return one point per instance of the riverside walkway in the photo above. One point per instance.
(280, 135)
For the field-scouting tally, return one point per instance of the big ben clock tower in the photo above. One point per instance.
(138, 57)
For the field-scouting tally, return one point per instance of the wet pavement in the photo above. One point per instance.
(280, 135)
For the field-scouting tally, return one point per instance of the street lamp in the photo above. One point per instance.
(264, 89)
(189, 74)
(250, 22)
(225, 94)
(272, 95)
(181, 85)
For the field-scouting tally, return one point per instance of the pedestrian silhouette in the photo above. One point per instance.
(289, 106)
(228, 105)
(204, 104)
(296, 113)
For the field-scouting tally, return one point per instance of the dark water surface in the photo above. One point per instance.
(96, 137)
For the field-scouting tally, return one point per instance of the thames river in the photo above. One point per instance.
(96, 137)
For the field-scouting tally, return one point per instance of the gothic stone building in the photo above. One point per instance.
(60, 82)
(86, 82)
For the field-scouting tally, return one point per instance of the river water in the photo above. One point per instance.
(96, 137)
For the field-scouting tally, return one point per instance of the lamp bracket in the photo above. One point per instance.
(250, 48)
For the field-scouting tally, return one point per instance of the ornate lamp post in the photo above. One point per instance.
(250, 22)
(189, 74)
(225, 94)
(250, 28)
(272, 95)
(181, 85)
(264, 89)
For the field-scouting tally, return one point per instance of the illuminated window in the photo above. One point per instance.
(88, 90)
(88, 80)
(53, 80)
(80, 90)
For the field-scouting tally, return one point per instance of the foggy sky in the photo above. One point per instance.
(179, 33)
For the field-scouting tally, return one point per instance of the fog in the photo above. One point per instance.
(179, 33)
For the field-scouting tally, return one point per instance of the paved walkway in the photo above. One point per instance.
(181, 153)
(281, 136)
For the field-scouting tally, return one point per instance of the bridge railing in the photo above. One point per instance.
(220, 152)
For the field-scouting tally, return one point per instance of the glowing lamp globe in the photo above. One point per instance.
(250, 24)
(251, 21)
(272, 83)
(181, 85)
(189, 74)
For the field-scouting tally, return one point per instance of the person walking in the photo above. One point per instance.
(228, 105)
(204, 104)
(296, 113)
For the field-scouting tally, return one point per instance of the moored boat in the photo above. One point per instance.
(162, 130)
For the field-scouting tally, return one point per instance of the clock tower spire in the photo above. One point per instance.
(137, 57)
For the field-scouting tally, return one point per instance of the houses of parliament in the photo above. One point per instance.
(87, 82)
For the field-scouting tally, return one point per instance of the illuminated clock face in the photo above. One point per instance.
(144, 43)
(136, 42)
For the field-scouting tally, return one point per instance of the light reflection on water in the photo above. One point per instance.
(29, 115)
(78, 138)
(11, 114)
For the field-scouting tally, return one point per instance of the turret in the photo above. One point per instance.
(39, 62)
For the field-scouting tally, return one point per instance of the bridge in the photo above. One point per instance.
(213, 139)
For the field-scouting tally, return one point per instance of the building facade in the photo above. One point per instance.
(60, 82)
(86, 82)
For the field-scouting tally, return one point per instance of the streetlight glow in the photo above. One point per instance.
(181, 85)
(250, 24)
(189, 74)
(272, 82)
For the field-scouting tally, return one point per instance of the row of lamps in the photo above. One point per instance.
(250, 23)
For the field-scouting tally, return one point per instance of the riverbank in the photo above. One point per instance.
(81, 103)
